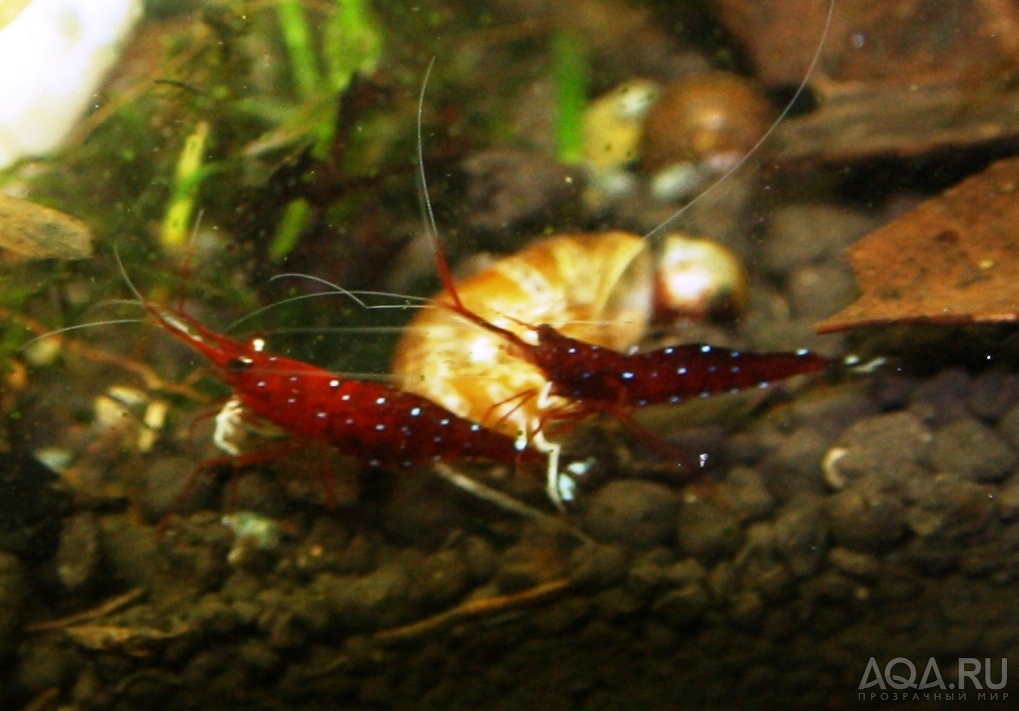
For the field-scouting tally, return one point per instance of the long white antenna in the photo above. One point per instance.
(427, 215)
(767, 134)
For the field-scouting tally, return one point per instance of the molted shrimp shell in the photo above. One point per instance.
(593, 287)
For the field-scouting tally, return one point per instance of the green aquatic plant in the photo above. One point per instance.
(190, 172)
(570, 61)
(349, 44)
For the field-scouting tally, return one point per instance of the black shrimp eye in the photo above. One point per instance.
(239, 364)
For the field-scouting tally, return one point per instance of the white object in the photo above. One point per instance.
(53, 56)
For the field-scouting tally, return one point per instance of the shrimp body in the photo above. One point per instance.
(373, 421)
(596, 288)
(604, 379)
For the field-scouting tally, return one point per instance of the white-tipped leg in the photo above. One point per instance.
(235, 425)
(559, 489)
(230, 427)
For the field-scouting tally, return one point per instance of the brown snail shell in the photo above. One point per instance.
(704, 123)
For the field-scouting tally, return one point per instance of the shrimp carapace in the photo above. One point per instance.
(375, 422)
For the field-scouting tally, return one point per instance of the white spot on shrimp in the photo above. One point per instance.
(475, 427)
(681, 370)
(734, 369)
(258, 344)
(380, 428)
(705, 349)
(381, 401)
(415, 411)
(260, 384)
(802, 352)
(628, 376)
(291, 400)
(669, 351)
(444, 421)
(345, 397)
(349, 422)
(334, 383)
(293, 379)
(321, 414)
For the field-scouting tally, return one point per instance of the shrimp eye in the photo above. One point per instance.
(239, 364)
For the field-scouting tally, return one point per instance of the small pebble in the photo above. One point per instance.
(722, 580)
(942, 399)
(528, 564)
(708, 532)
(638, 514)
(683, 606)
(801, 534)
(931, 557)
(78, 555)
(1008, 426)
(747, 609)
(598, 565)
(888, 446)
(951, 508)
(860, 565)
(648, 574)
(819, 290)
(831, 585)
(981, 560)
(480, 557)
(371, 602)
(686, 571)
(769, 578)
(441, 578)
(746, 494)
(1008, 500)
(795, 467)
(421, 510)
(805, 234)
(993, 394)
(210, 615)
(832, 411)
(972, 450)
(866, 520)
(43, 665)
